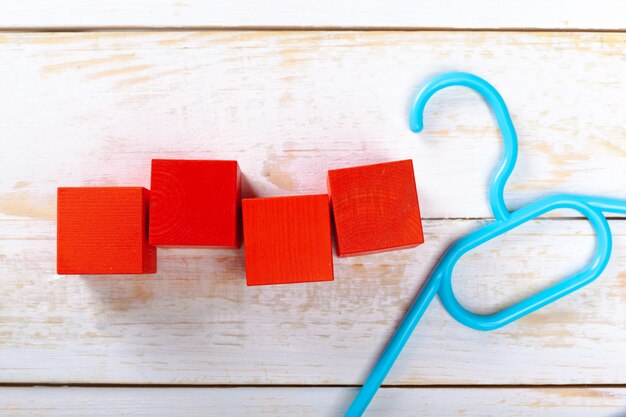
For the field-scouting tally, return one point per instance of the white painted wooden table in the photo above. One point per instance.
(91, 91)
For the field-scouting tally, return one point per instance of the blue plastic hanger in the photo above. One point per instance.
(440, 279)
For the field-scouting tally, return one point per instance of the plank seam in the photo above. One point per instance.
(229, 386)
(88, 29)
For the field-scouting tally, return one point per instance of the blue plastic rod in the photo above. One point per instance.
(394, 347)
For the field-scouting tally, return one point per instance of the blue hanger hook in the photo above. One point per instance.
(440, 280)
(495, 101)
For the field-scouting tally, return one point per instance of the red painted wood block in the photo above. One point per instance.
(287, 239)
(375, 208)
(103, 230)
(195, 203)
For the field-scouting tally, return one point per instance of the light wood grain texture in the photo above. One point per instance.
(559, 14)
(94, 108)
(310, 402)
(195, 321)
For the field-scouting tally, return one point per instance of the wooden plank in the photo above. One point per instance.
(310, 402)
(560, 14)
(196, 322)
(94, 108)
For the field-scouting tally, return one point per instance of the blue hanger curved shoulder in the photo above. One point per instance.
(583, 277)
(503, 118)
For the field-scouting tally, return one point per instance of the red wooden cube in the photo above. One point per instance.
(195, 203)
(287, 239)
(103, 230)
(375, 208)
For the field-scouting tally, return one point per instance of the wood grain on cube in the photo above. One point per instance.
(287, 239)
(103, 230)
(195, 203)
(375, 208)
